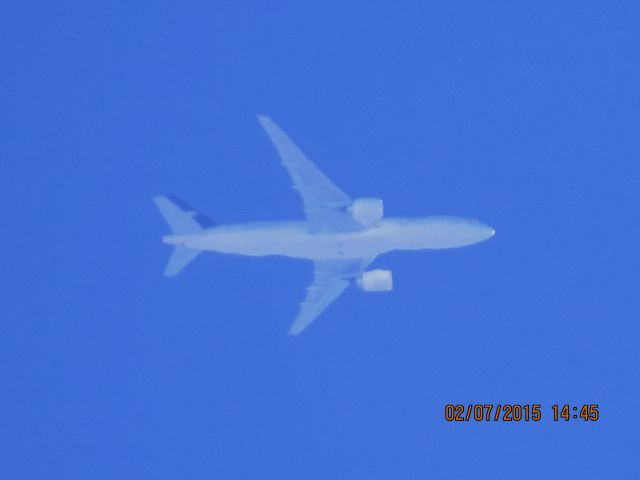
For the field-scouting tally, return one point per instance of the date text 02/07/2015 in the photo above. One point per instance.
(513, 412)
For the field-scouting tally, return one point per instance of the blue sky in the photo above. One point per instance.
(521, 114)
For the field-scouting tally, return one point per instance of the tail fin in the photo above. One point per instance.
(182, 220)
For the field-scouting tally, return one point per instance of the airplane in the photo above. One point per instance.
(340, 235)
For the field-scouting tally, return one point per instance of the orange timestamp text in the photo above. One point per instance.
(515, 412)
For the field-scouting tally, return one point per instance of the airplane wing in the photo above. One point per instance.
(330, 280)
(324, 203)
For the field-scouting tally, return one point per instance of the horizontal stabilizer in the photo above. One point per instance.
(180, 258)
(181, 218)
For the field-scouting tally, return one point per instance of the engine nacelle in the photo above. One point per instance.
(376, 281)
(366, 211)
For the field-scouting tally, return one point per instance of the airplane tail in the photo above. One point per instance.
(182, 220)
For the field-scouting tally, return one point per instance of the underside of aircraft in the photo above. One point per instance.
(340, 235)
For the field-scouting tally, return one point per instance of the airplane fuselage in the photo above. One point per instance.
(293, 239)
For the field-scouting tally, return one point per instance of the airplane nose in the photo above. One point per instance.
(487, 231)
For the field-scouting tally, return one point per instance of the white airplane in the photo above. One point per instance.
(340, 235)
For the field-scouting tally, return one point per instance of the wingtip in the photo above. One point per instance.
(293, 332)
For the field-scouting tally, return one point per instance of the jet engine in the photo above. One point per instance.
(376, 281)
(366, 211)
